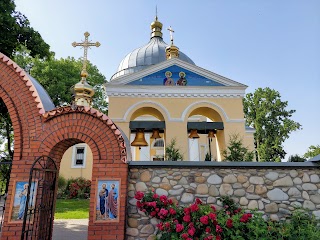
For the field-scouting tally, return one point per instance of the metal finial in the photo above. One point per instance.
(156, 13)
(171, 34)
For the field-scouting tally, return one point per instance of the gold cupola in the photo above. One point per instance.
(172, 51)
(156, 28)
(82, 91)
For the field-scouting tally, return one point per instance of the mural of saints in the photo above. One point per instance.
(182, 80)
(168, 81)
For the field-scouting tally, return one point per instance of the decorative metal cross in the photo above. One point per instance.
(171, 34)
(85, 44)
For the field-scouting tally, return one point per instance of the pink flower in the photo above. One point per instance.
(185, 235)
(187, 211)
(191, 231)
(152, 204)
(208, 230)
(213, 208)
(153, 213)
(163, 198)
(186, 218)
(198, 201)
(212, 216)
(139, 195)
(155, 196)
(194, 207)
(218, 229)
(218, 237)
(172, 211)
(179, 227)
(229, 223)
(160, 226)
(140, 205)
(163, 213)
(167, 225)
(245, 217)
(204, 220)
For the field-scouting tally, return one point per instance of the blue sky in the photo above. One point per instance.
(260, 43)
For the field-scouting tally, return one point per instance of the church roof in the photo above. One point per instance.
(150, 54)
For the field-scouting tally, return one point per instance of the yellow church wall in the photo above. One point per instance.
(68, 171)
(176, 111)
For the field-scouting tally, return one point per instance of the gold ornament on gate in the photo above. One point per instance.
(139, 140)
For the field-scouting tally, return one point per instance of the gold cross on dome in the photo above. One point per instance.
(85, 44)
(171, 34)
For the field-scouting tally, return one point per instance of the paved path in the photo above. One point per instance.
(71, 229)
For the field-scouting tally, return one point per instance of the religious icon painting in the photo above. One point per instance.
(168, 81)
(182, 79)
(107, 200)
(19, 200)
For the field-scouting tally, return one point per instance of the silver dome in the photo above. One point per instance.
(151, 53)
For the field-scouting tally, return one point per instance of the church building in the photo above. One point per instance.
(159, 95)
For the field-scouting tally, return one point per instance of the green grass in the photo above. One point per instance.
(72, 209)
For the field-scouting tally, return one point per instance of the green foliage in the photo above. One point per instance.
(58, 76)
(72, 209)
(236, 151)
(74, 188)
(172, 152)
(15, 30)
(296, 158)
(265, 112)
(312, 151)
(207, 157)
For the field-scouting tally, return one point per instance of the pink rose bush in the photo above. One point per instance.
(197, 221)
(201, 221)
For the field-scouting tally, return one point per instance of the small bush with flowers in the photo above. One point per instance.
(205, 222)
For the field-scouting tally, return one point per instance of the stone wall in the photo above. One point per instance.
(274, 189)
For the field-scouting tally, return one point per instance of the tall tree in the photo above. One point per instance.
(265, 111)
(236, 151)
(58, 76)
(296, 158)
(312, 151)
(15, 30)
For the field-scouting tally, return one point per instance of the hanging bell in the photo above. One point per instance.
(155, 133)
(211, 134)
(193, 133)
(139, 140)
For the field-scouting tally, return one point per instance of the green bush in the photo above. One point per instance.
(78, 188)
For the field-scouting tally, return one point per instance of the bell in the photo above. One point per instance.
(211, 134)
(139, 140)
(193, 134)
(155, 133)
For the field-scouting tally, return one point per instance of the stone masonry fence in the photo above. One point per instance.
(275, 189)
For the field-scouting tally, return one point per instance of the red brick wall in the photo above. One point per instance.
(52, 134)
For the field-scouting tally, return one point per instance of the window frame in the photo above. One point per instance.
(74, 154)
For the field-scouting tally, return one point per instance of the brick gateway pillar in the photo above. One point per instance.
(38, 132)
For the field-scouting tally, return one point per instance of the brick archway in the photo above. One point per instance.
(39, 130)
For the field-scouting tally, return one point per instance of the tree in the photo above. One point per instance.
(265, 112)
(312, 151)
(58, 76)
(236, 151)
(172, 152)
(15, 30)
(296, 158)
